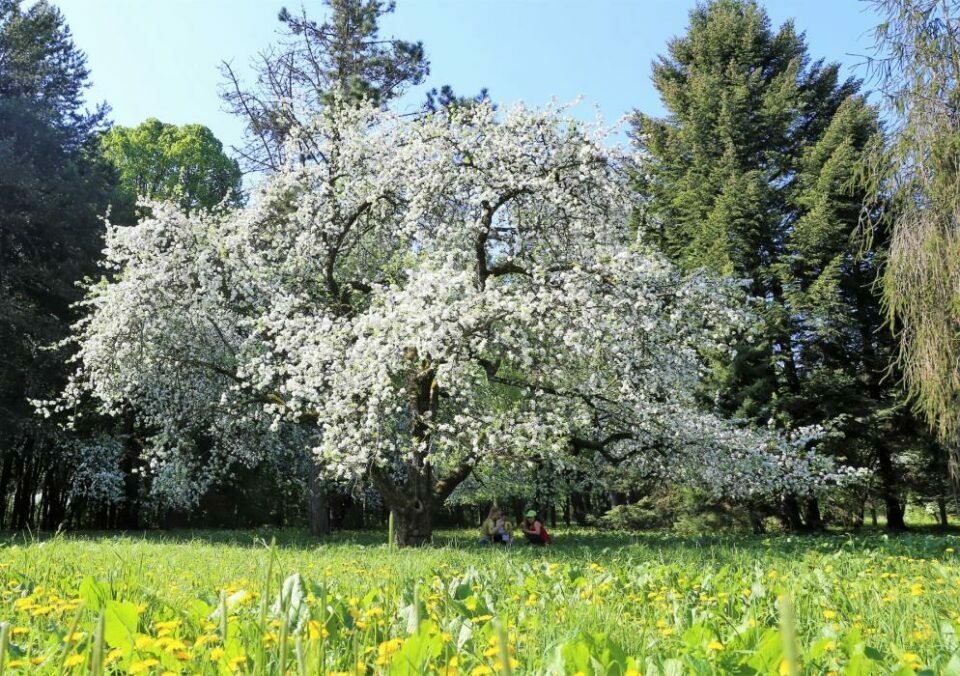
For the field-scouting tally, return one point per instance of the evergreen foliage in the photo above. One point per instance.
(754, 174)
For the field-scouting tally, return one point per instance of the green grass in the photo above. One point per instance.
(593, 603)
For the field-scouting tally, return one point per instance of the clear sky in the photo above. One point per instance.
(159, 58)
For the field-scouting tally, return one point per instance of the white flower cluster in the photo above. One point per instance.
(433, 292)
(95, 463)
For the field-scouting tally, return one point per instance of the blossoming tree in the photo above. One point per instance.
(417, 297)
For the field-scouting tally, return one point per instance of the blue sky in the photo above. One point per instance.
(159, 58)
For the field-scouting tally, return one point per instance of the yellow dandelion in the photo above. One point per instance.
(74, 660)
(143, 666)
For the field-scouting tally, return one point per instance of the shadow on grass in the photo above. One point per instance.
(918, 542)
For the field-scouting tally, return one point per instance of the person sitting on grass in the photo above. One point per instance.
(503, 529)
(535, 531)
(488, 531)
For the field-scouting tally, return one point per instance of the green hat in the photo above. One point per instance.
(531, 514)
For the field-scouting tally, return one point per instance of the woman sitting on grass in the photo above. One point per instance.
(535, 531)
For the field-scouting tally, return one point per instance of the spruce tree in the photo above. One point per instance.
(752, 174)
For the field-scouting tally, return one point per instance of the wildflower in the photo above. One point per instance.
(714, 645)
(315, 631)
(451, 668)
(386, 649)
(912, 661)
(217, 654)
(829, 614)
(482, 670)
(204, 639)
(74, 660)
(19, 631)
(143, 666)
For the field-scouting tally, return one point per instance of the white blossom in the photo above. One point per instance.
(486, 259)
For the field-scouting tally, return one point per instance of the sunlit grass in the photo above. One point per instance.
(593, 603)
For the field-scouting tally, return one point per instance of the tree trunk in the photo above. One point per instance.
(579, 507)
(791, 513)
(942, 506)
(812, 517)
(319, 512)
(413, 527)
(129, 517)
(889, 489)
(4, 480)
(21, 499)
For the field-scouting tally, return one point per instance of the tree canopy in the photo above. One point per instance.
(437, 293)
(755, 173)
(186, 164)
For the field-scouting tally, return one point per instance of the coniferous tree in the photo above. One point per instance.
(752, 174)
(343, 56)
(53, 189)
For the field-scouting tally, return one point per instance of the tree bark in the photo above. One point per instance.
(4, 480)
(791, 514)
(889, 489)
(812, 517)
(319, 507)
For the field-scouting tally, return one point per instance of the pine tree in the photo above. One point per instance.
(343, 56)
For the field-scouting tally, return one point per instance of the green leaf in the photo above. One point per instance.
(94, 594)
(120, 624)
(953, 666)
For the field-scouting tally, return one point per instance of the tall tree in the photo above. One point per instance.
(185, 165)
(918, 172)
(53, 189)
(344, 54)
(432, 294)
(752, 175)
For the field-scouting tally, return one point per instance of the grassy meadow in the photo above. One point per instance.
(229, 602)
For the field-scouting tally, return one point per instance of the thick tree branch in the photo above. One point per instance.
(445, 486)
